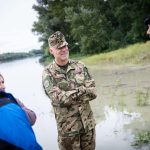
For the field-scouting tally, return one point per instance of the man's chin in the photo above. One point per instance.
(64, 58)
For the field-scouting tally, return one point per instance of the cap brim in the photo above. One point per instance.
(63, 44)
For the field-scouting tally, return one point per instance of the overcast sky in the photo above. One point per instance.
(16, 20)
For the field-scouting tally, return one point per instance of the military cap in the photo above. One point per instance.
(147, 20)
(57, 40)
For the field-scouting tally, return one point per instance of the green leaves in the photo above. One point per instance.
(92, 27)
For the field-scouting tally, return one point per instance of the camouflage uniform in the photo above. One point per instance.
(74, 117)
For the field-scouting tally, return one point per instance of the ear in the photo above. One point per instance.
(51, 51)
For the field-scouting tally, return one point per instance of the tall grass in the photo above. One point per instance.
(141, 139)
(134, 54)
(142, 97)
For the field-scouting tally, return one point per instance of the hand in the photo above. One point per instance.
(56, 89)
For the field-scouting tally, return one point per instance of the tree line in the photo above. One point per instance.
(92, 26)
(10, 56)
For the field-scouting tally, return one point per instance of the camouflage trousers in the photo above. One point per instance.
(84, 141)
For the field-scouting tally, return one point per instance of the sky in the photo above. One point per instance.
(16, 20)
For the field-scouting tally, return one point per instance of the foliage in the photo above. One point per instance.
(5, 57)
(92, 27)
(134, 54)
(142, 138)
(45, 59)
(142, 97)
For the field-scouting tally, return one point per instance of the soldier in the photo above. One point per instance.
(147, 23)
(70, 87)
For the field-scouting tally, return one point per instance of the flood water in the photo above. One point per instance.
(115, 125)
(23, 78)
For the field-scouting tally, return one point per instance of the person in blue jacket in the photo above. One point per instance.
(16, 122)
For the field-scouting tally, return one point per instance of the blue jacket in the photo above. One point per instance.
(14, 125)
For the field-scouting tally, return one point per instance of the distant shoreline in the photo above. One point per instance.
(7, 57)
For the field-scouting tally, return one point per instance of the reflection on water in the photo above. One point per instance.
(110, 132)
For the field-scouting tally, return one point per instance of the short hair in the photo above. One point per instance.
(147, 20)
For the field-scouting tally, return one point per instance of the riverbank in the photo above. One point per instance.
(126, 90)
(7, 57)
(133, 54)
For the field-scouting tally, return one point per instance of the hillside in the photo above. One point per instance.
(134, 54)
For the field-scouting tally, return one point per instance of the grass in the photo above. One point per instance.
(135, 54)
(142, 138)
(142, 97)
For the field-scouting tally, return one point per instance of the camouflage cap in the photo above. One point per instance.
(57, 40)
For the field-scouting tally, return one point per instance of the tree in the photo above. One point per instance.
(92, 26)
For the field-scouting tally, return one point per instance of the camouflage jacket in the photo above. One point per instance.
(71, 106)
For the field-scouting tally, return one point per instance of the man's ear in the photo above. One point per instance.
(50, 51)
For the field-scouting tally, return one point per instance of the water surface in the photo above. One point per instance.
(115, 108)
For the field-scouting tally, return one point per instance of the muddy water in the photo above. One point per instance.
(23, 78)
(117, 114)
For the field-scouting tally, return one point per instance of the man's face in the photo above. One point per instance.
(2, 86)
(148, 31)
(61, 54)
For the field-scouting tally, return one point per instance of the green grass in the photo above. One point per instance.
(142, 97)
(135, 54)
(142, 138)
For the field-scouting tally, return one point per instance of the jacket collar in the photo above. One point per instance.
(60, 70)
